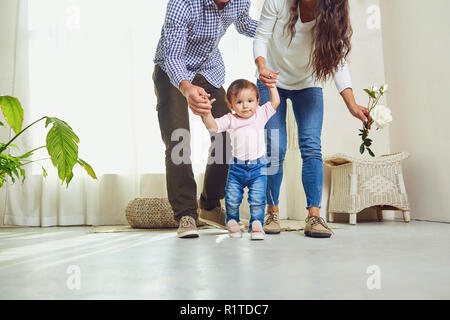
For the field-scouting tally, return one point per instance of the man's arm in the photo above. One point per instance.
(175, 33)
(175, 29)
(244, 23)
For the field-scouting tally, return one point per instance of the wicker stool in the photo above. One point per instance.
(357, 184)
(151, 213)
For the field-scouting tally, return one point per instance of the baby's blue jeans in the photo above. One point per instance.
(251, 174)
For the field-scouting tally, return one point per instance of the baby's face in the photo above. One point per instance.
(245, 103)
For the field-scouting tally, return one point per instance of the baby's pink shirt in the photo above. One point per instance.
(247, 135)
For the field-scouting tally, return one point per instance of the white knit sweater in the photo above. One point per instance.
(290, 59)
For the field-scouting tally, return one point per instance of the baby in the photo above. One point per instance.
(246, 129)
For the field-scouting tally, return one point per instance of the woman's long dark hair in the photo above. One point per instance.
(332, 34)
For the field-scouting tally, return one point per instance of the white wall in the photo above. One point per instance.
(8, 15)
(416, 45)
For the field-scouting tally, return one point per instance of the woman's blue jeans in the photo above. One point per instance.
(251, 174)
(308, 110)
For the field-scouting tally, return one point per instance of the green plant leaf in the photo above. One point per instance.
(367, 142)
(370, 152)
(29, 153)
(68, 179)
(12, 167)
(87, 167)
(361, 149)
(370, 93)
(62, 146)
(44, 172)
(13, 112)
(22, 172)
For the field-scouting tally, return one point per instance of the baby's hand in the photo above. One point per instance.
(210, 102)
(208, 118)
(208, 113)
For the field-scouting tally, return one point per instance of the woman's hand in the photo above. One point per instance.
(355, 109)
(267, 76)
(361, 113)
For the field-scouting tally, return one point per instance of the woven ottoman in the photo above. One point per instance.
(357, 184)
(151, 213)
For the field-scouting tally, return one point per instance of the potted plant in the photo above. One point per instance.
(61, 145)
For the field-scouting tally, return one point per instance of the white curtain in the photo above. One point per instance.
(90, 63)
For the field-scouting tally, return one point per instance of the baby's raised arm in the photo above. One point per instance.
(274, 97)
(209, 121)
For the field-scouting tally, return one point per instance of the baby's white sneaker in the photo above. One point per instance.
(234, 229)
(257, 232)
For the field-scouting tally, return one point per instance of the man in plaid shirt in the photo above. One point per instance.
(189, 71)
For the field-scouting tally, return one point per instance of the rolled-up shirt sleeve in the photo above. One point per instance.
(269, 16)
(342, 78)
(176, 25)
(244, 23)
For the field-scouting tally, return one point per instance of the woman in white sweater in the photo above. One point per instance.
(298, 45)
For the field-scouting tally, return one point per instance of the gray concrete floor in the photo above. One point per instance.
(43, 263)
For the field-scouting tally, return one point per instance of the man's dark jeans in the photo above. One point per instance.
(173, 113)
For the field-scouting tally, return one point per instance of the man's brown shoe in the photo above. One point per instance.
(198, 222)
(272, 223)
(316, 227)
(214, 217)
(187, 228)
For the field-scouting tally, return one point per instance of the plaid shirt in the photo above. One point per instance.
(191, 34)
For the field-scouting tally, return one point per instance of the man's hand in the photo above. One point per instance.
(197, 98)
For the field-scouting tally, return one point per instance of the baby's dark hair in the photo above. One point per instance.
(239, 85)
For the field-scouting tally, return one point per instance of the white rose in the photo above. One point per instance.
(385, 88)
(381, 115)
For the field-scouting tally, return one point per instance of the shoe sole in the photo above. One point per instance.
(213, 223)
(257, 237)
(272, 232)
(189, 234)
(317, 235)
(235, 235)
